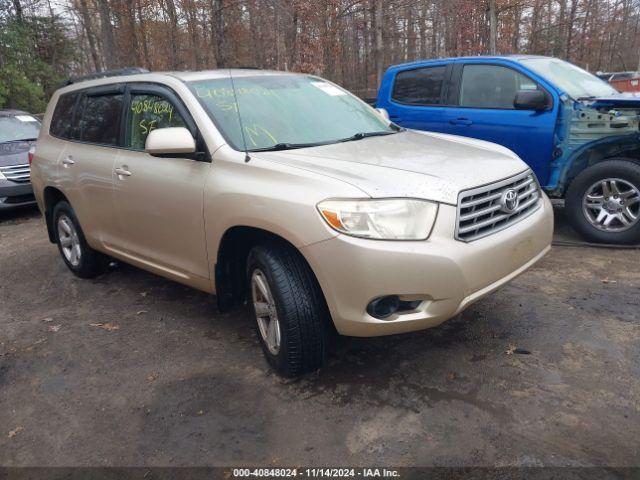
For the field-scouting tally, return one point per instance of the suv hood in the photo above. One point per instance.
(416, 164)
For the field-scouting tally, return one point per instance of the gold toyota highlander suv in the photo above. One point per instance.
(285, 190)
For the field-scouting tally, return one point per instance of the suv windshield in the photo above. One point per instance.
(18, 127)
(286, 111)
(576, 82)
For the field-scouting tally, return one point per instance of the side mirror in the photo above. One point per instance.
(384, 113)
(170, 141)
(530, 100)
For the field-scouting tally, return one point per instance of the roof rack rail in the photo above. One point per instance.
(107, 73)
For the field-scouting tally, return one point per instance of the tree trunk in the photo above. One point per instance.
(88, 29)
(134, 53)
(378, 47)
(106, 30)
(572, 18)
(173, 33)
(493, 28)
(18, 7)
(143, 36)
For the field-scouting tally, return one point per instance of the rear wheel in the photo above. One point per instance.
(291, 315)
(79, 257)
(604, 202)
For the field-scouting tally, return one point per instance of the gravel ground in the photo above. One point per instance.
(132, 369)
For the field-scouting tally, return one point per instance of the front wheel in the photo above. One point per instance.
(603, 202)
(290, 311)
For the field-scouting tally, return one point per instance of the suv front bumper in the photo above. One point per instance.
(446, 274)
(15, 194)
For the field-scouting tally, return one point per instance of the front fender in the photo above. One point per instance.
(582, 156)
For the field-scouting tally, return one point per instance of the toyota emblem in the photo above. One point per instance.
(509, 201)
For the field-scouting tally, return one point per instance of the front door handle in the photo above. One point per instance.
(68, 161)
(460, 121)
(122, 171)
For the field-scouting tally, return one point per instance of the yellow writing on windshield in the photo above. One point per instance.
(255, 131)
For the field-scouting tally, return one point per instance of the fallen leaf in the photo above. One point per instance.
(152, 377)
(48, 319)
(200, 412)
(452, 375)
(140, 312)
(510, 349)
(109, 327)
(15, 431)
(55, 328)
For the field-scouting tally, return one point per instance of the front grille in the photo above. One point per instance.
(17, 173)
(481, 211)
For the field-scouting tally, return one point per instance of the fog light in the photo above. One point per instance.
(383, 307)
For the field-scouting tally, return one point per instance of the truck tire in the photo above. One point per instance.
(79, 257)
(290, 310)
(603, 202)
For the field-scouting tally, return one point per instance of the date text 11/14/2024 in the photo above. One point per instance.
(315, 473)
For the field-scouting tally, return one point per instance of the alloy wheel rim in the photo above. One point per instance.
(612, 205)
(69, 240)
(264, 306)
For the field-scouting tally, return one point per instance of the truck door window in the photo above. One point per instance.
(149, 112)
(420, 86)
(492, 86)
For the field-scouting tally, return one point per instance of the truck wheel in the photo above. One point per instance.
(81, 259)
(291, 314)
(603, 202)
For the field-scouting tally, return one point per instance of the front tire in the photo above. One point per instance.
(603, 202)
(79, 257)
(291, 314)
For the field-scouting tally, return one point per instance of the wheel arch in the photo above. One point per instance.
(231, 262)
(52, 196)
(588, 155)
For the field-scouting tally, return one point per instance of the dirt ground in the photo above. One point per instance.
(132, 369)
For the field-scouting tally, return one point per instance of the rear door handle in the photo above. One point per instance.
(122, 171)
(460, 121)
(68, 161)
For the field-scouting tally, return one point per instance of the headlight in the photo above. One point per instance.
(382, 219)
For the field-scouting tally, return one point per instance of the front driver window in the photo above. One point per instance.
(149, 112)
(492, 86)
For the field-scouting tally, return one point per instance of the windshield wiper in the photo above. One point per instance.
(361, 135)
(285, 146)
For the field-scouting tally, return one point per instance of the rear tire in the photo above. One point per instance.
(282, 288)
(76, 253)
(603, 202)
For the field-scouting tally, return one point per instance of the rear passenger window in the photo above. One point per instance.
(421, 86)
(492, 86)
(62, 119)
(149, 112)
(101, 119)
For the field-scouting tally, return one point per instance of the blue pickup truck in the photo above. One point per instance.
(579, 135)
